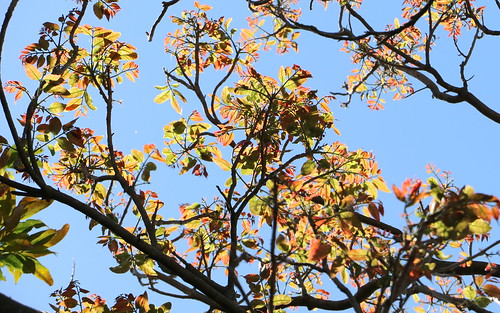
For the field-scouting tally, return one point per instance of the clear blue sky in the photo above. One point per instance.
(405, 136)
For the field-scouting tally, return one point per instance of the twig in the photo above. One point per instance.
(166, 5)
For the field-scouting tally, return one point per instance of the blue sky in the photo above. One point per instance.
(405, 136)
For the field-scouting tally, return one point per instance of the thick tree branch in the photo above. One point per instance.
(8, 305)
(460, 303)
(463, 94)
(189, 275)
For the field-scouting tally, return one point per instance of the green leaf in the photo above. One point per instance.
(308, 167)
(479, 227)
(65, 144)
(120, 269)
(469, 292)
(138, 155)
(57, 107)
(281, 300)
(88, 101)
(282, 243)
(482, 302)
(258, 205)
(148, 267)
(98, 9)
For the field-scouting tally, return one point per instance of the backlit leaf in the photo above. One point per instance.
(318, 250)
(42, 273)
(142, 302)
(223, 164)
(32, 72)
(479, 227)
(58, 236)
(164, 96)
(281, 300)
(469, 292)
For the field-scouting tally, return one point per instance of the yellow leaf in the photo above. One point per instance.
(381, 185)
(223, 164)
(281, 300)
(33, 205)
(32, 72)
(58, 236)
(396, 23)
(175, 105)
(42, 273)
(162, 97)
(358, 254)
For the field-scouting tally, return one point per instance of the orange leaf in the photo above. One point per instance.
(142, 302)
(399, 194)
(196, 116)
(203, 7)
(318, 250)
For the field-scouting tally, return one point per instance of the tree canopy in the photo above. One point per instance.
(296, 219)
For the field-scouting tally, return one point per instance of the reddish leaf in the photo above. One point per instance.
(318, 250)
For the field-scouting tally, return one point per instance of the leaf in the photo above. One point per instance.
(223, 164)
(282, 243)
(380, 184)
(58, 236)
(148, 268)
(98, 8)
(164, 96)
(318, 250)
(399, 193)
(32, 72)
(142, 302)
(479, 227)
(175, 105)
(203, 7)
(65, 144)
(120, 269)
(55, 125)
(469, 292)
(492, 290)
(57, 107)
(33, 205)
(373, 209)
(308, 167)
(42, 273)
(358, 254)
(258, 206)
(88, 101)
(281, 300)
